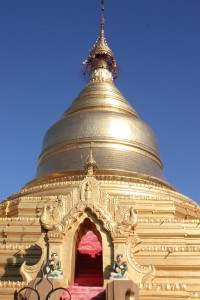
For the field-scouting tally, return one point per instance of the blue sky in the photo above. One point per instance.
(157, 46)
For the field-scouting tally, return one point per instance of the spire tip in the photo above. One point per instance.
(101, 54)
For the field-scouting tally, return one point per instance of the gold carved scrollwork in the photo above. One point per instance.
(123, 229)
(120, 248)
(145, 274)
(51, 217)
(101, 214)
(29, 273)
(129, 221)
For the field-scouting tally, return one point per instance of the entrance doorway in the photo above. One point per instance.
(89, 266)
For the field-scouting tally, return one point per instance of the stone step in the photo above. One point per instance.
(88, 274)
(85, 293)
(86, 269)
(89, 282)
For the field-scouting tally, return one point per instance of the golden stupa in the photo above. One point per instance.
(100, 171)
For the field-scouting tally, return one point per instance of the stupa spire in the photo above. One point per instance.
(101, 56)
(102, 15)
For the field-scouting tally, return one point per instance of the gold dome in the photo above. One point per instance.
(101, 115)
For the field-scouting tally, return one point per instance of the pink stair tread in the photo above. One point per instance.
(85, 293)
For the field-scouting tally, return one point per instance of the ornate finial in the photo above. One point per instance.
(90, 164)
(101, 56)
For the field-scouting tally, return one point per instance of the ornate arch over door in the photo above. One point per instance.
(86, 221)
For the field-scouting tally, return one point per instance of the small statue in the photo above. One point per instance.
(53, 267)
(119, 268)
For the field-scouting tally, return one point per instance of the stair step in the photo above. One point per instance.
(93, 275)
(87, 270)
(85, 293)
(88, 283)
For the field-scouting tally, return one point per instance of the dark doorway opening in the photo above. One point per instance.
(89, 266)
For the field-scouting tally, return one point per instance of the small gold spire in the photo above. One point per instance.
(90, 164)
(101, 56)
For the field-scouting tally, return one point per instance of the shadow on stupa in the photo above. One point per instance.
(107, 271)
(11, 271)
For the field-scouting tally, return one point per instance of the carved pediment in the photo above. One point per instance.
(101, 214)
(88, 195)
(119, 220)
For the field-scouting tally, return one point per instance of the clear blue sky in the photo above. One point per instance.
(157, 46)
